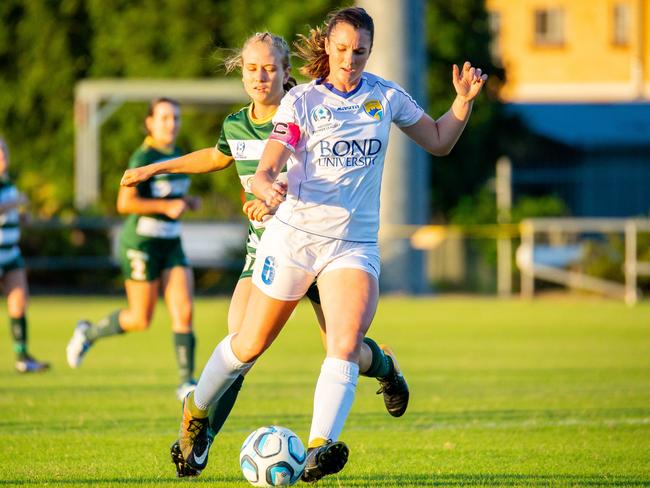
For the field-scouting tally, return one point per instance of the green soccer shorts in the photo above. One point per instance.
(146, 260)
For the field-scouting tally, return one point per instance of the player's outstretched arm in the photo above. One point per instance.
(438, 137)
(264, 184)
(202, 161)
(128, 202)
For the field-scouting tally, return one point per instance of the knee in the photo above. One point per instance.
(247, 350)
(138, 322)
(185, 312)
(16, 303)
(344, 346)
(182, 323)
(16, 307)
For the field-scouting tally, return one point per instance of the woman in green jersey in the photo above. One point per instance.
(12, 267)
(150, 249)
(264, 61)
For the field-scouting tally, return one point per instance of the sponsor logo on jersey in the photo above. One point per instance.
(374, 109)
(348, 108)
(268, 270)
(344, 153)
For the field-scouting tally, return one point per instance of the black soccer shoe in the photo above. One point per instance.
(183, 470)
(327, 459)
(394, 387)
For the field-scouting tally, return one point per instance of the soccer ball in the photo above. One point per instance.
(272, 456)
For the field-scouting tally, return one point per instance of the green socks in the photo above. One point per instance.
(220, 410)
(381, 364)
(106, 327)
(19, 335)
(184, 344)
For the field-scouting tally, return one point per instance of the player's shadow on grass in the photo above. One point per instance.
(491, 479)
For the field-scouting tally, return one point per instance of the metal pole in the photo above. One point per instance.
(504, 244)
(86, 178)
(398, 55)
(527, 261)
(631, 296)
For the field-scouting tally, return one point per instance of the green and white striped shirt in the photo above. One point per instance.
(9, 223)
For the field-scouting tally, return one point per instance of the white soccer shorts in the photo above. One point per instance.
(288, 260)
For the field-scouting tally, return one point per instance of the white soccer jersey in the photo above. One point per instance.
(335, 173)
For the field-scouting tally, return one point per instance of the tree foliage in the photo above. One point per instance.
(46, 46)
(457, 31)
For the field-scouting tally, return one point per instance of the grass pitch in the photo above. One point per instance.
(504, 393)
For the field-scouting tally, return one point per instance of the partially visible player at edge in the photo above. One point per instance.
(334, 133)
(150, 250)
(12, 267)
(265, 64)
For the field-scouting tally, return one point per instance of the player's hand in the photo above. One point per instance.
(132, 177)
(193, 203)
(276, 194)
(175, 208)
(468, 82)
(257, 210)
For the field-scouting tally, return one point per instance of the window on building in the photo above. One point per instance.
(494, 24)
(621, 33)
(549, 27)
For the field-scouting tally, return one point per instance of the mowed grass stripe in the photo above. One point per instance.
(504, 393)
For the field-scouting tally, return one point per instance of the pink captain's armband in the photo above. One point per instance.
(287, 134)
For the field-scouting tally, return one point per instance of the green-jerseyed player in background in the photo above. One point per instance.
(265, 65)
(150, 250)
(12, 267)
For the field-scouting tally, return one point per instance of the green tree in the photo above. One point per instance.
(457, 31)
(42, 54)
(46, 46)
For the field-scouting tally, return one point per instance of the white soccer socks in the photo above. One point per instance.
(333, 398)
(221, 370)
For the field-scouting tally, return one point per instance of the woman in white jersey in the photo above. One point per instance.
(333, 133)
(264, 61)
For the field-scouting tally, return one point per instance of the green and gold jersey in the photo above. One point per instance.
(9, 223)
(243, 138)
(167, 186)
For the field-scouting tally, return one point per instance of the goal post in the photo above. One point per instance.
(97, 99)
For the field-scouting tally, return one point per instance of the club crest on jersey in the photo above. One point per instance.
(374, 109)
(240, 149)
(268, 270)
(322, 119)
(320, 114)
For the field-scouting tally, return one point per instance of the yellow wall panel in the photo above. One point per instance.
(587, 57)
